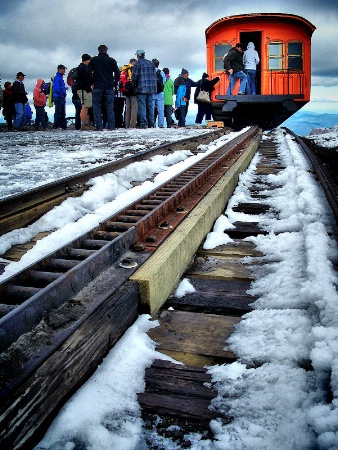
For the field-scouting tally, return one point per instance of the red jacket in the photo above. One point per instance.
(39, 98)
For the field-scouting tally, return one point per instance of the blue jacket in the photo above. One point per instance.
(180, 94)
(59, 87)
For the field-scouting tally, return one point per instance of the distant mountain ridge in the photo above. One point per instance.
(302, 123)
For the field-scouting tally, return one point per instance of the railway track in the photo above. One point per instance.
(20, 210)
(55, 301)
(86, 295)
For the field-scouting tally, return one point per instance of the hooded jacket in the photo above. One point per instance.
(250, 57)
(39, 97)
(59, 87)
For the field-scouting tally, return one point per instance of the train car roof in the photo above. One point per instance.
(263, 17)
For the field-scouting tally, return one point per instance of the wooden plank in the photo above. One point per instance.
(218, 268)
(203, 334)
(27, 412)
(225, 297)
(251, 208)
(244, 229)
(232, 250)
(177, 390)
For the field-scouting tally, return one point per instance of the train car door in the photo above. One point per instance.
(256, 38)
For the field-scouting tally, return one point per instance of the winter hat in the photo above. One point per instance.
(85, 57)
(140, 52)
(20, 74)
(184, 71)
(61, 66)
(205, 75)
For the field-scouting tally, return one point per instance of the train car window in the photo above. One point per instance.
(219, 51)
(276, 56)
(295, 56)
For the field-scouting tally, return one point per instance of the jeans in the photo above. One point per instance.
(60, 112)
(251, 82)
(158, 103)
(103, 98)
(40, 117)
(181, 115)
(20, 115)
(237, 76)
(145, 110)
(168, 111)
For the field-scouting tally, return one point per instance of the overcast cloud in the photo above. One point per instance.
(37, 35)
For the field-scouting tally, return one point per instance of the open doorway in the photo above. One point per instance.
(256, 38)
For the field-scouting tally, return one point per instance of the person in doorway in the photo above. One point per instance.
(233, 65)
(250, 61)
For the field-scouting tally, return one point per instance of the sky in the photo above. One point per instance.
(36, 36)
(275, 403)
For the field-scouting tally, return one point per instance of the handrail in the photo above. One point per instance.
(271, 73)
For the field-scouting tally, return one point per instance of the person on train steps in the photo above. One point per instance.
(233, 64)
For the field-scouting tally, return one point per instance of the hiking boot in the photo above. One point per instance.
(86, 127)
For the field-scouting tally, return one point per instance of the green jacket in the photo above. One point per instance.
(234, 60)
(168, 91)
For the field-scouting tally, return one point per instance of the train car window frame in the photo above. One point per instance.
(295, 55)
(276, 58)
(220, 49)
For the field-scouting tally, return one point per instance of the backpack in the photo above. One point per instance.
(125, 85)
(160, 84)
(45, 88)
(72, 78)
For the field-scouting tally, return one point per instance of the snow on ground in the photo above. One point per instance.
(276, 402)
(32, 159)
(325, 137)
(107, 195)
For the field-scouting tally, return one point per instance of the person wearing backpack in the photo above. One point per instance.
(126, 86)
(145, 85)
(84, 91)
(59, 98)
(158, 98)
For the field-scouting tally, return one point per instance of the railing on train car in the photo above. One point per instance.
(271, 84)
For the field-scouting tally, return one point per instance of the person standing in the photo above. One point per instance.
(59, 98)
(169, 91)
(204, 109)
(131, 110)
(250, 61)
(104, 75)
(39, 100)
(8, 105)
(158, 98)
(180, 89)
(233, 64)
(20, 99)
(84, 91)
(145, 86)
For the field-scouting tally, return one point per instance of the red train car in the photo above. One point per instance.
(283, 42)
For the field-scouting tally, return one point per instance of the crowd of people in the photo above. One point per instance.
(138, 94)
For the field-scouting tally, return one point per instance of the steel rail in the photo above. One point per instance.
(324, 181)
(54, 279)
(21, 209)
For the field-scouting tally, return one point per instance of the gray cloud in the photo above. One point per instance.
(35, 35)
